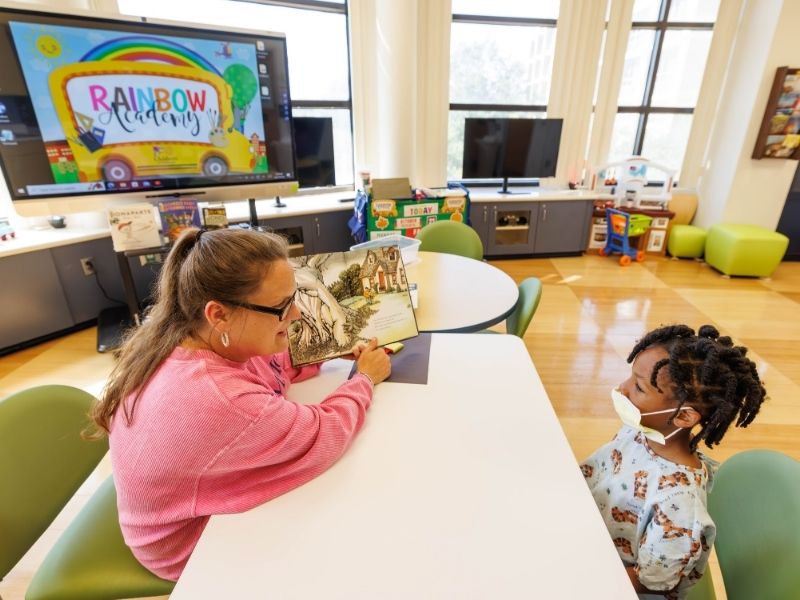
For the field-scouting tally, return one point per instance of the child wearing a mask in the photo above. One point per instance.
(650, 482)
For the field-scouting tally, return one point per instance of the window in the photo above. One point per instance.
(316, 37)
(664, 64)
(500, 64)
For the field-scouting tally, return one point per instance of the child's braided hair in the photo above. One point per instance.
(709, 373)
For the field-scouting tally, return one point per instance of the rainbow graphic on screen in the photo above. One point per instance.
(133, 106)
(137, 48)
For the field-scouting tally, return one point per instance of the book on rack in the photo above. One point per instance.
(177, 215)
(349, 297)
(133, 227)
(215, 217)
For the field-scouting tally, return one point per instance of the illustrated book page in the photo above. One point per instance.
(348, 297)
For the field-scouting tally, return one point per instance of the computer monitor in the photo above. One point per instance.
(96, 109)
(505, 148)
(313, 144)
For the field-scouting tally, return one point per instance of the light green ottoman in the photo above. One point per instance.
(745, 249)
(686, 241)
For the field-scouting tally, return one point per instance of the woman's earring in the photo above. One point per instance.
(226, 341)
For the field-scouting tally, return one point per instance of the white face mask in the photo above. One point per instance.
(632, 417)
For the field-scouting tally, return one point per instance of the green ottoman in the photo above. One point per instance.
(745, 249)
(686, 241)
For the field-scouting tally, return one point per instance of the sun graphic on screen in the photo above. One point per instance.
(48, 45)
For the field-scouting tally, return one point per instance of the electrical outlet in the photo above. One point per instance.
(86, 265)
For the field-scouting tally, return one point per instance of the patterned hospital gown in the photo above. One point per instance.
(655, 511)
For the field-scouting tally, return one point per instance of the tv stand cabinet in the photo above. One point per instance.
(536, 223)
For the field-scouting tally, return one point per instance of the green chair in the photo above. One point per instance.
(530, 293)
(90, 561)
(451, 237)
(43, 462)
(755, 503)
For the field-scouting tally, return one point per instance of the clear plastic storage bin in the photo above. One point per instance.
(409, 247)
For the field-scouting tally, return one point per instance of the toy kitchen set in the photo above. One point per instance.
(638, 186)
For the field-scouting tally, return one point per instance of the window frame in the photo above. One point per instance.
(471, 106)
(660, 26)
(335, 8)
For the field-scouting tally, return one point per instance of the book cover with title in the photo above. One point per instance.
(177, 215)
(133, 227)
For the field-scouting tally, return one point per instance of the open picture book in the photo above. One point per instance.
(348, 297)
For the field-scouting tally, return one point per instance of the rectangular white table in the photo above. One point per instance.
(461, 488)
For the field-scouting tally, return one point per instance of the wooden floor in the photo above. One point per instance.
(591, 313)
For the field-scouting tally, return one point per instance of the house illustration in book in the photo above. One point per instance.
(382, 270)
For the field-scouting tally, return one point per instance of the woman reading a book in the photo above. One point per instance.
(195, 409)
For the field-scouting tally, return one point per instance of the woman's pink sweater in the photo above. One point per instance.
(211, 436)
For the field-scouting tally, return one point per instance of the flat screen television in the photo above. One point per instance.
(313, 143)
(499, 148)
(97, 109)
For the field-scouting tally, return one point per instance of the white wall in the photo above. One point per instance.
(735, 188)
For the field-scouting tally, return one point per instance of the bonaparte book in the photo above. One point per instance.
(133, 227)
(177, 215)
(348, 297)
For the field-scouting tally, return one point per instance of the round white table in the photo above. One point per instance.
(458, 294)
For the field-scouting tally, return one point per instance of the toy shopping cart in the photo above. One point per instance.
(625, 235)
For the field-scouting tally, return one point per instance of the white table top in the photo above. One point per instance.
(461, 488)
(460, 294)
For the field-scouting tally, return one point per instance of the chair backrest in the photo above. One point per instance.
(530, 293)
(755, 503)
(43, 461)
(684, 205)
(451, 237)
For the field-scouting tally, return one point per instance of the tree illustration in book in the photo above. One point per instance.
(347, 297)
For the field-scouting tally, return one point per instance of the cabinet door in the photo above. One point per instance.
(563, 226)
(298, 231)
(479, 220)
(511, 228)
(33, 302)
(331, 232)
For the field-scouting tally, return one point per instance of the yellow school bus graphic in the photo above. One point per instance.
(126, 119)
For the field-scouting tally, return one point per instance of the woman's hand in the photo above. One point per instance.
(373, 362)
(355, 352)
